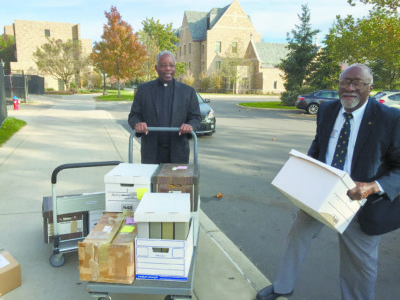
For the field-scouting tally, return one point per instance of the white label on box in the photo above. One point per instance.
(3, 262)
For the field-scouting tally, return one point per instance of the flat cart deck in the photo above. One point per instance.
(171, 289)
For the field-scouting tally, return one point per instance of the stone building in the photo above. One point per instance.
(29, 35)
(208, 39)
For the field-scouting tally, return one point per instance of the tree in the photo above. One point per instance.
(61, 60)
(188, 78)
(325, 71)
(101, 61)
(234, 66)
(7, 50)
(216, 80)
(373, 40)
(156, 37)
(120, 54)
(302, 52)
(388, 4)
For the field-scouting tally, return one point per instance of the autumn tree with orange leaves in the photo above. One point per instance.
(119, 53)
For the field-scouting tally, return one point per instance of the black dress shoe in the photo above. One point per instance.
(268, 293)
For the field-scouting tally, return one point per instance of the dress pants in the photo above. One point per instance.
(358, 257)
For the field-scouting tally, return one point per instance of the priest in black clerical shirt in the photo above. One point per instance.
(165, 102)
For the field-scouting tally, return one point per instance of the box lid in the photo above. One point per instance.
(131, 173)
(176, 174)
(339, 173)
(163, 207)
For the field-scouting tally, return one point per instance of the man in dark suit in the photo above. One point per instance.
(373, 162)
(165, 102)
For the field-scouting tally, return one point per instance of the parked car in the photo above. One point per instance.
(207, 125)
(388, 97)
(311, 102)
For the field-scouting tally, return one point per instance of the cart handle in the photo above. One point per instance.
(172, 129)
(80, 165)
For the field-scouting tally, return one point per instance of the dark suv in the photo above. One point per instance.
(311, 102)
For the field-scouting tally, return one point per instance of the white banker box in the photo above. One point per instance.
(318, 189)
(162, 258)
(122, 184)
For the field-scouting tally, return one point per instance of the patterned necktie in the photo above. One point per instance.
(341, 146)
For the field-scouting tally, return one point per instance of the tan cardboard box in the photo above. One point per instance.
(10, 273)
(318, 189)
(108, 253)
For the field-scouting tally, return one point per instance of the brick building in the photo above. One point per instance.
(29, 35)
(207, 38)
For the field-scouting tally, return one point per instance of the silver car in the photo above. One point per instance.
(388, 97)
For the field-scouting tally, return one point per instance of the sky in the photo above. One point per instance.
(271, 18)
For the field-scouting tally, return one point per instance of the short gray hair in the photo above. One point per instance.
(364, 67)
(163, 53)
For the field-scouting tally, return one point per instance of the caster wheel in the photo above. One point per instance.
(57, 260)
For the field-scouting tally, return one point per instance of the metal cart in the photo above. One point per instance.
(69, 204)
(172, 289)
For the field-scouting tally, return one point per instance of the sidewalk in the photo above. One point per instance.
(70, 130)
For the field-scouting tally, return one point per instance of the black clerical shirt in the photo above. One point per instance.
(165, 100)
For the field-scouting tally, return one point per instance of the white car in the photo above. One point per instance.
(388, 97)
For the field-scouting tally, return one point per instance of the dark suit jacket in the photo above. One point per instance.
(377, 149)
(185, 109)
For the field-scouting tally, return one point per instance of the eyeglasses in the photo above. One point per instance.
(358, 84)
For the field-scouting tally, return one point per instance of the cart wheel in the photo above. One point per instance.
(172, 297)
(104, 298)
(168, 297)
(57, 260)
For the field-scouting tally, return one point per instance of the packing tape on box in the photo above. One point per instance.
(103, 250)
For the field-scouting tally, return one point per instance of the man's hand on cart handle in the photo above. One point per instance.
(141, 128)
(185, 128)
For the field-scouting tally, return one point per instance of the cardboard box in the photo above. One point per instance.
(163, 215)
(125, 185)
(10, 273)
(158, 259)
(184, 178)
(108, 252)
(74, 224)
(318, 189)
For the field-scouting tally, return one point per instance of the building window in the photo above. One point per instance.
(218, 47)
(275, 84)
(218, 65)
(184, 50)
(47, 32)
(180, 51)
(202, 65)
(202, 49)
(234, 47)
(190, 66)
(190, 48)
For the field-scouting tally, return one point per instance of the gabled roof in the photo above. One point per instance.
(198, 21)
(271, 53)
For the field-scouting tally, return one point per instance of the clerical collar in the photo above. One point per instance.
(165, 84)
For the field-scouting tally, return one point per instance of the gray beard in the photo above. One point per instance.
(351, 104)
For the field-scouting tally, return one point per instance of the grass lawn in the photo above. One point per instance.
(272, 104)
(9, 127)
(112, 95)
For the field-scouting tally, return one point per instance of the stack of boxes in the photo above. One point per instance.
(159, 245)
(126, 184)
(164, 245)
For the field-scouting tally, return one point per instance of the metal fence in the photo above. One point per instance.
(20, 85)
